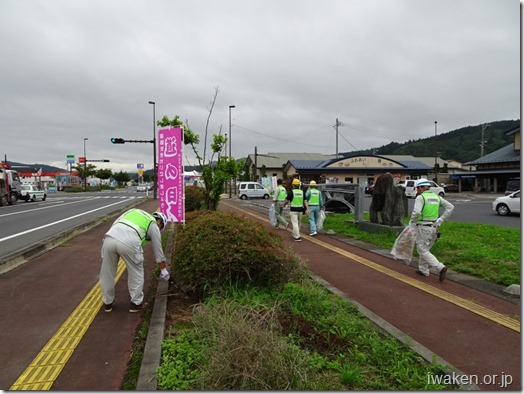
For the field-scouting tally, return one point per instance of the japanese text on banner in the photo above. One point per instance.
(171, 173)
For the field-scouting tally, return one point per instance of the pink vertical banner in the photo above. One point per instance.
(171, 173)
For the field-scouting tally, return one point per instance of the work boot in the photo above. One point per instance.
(133, 308)
(442, 273)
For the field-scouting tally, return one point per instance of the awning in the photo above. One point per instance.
(473, 174)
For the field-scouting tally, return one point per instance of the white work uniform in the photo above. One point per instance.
(427, 235)
(121, 241)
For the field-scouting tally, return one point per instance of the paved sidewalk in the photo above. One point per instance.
(38, 297)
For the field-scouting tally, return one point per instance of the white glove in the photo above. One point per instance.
(438, 222)
(164, 274)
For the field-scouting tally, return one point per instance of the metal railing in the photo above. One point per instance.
(338, 197)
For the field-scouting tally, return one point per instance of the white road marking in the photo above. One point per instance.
(59, 221)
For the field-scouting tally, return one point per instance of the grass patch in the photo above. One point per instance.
(301, 338)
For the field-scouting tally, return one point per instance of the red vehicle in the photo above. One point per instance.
(9, 185)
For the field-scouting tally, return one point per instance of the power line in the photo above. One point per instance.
(281, 139)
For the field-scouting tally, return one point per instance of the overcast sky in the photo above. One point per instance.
(387, 69)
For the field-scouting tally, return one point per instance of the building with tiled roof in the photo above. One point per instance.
(355, 168)
(495, 169)
(272, 164)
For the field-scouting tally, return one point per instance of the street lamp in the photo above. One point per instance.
(85, 165)
(154, 151)
(230, 155)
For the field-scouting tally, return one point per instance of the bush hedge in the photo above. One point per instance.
(215, 249)
(195, 198)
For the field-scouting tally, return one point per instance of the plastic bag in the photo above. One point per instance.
(404, 244)
(321, 218)
(272, 215)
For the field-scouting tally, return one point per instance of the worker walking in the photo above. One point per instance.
(125, 240)
(278, 199)
(297, 204)
(425, 216)
(315, 204)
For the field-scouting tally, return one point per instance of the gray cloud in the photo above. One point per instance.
(386, 68)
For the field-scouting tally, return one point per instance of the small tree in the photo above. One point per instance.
(218, 169)
(90, 169)
(121, 177)
(104, 173)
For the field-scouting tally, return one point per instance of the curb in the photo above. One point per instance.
(418, 348)
(147, 380)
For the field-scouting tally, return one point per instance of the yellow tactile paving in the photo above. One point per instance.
(468, 305)
(47, 365)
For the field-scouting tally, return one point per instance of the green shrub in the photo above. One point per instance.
(215, 249)
(195, 198)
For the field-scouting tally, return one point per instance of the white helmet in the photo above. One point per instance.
(162, 217)
(422, 182)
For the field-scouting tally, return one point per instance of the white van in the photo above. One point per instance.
(411, 190)
(252, 190)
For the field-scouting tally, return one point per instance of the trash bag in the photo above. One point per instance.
(321, 218)
(272, 215)
(404, 244)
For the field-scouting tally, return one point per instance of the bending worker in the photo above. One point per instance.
(295, 199)
(426, 217)
(278, 199)
(124, 240)
(315, 203)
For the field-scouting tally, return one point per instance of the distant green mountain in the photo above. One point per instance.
(36, 167)
(462, 144)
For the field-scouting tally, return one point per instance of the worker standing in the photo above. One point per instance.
(315, 204)
(297, 204)
(278, 200)
(125, 240)
(425, 216)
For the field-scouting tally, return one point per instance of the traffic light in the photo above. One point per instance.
(118, 141)
(105, 161)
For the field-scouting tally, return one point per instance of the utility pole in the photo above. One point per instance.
(337, 125)
(482, 142)
(436, 154)
(255, 172)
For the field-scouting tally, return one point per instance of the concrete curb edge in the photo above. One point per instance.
(395, 332)
(153, 349)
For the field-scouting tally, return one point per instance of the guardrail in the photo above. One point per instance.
(338, 197)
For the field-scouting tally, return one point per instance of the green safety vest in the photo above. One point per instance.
(298, 199)
(430, 208)
(139, 221)
(282, 193)
(314, 197)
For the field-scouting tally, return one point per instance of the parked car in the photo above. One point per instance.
(411, 191)
(144, 187)
(507, 204)
(450, 188)
(512, 185)
(252, 190)
(32, 193)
